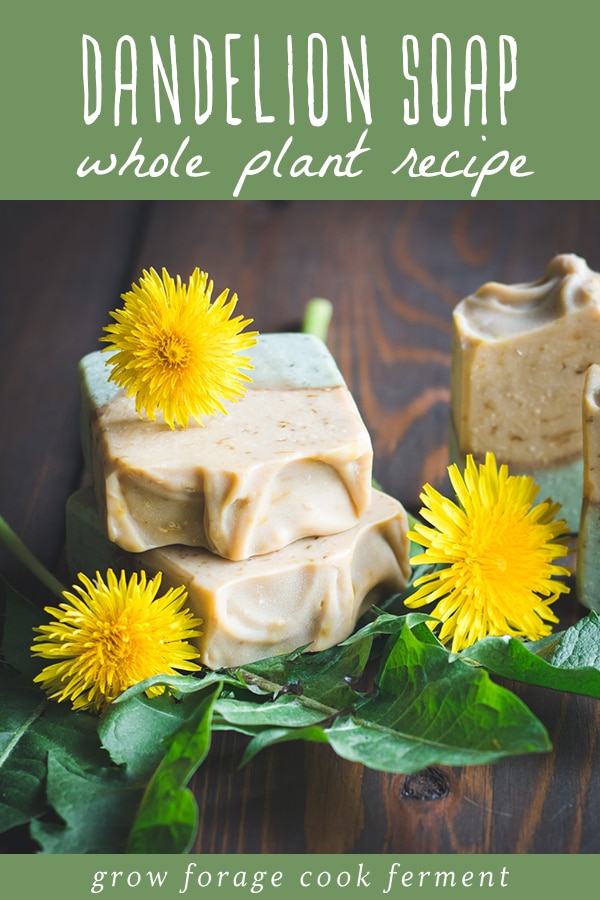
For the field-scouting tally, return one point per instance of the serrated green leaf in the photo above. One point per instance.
(117, 810)
(134, 732)
(134, 729)
(434, 708)
(22, 763)
(30, 728)
(98, 809)
(167, 819)
(566, 661)
(575, 648)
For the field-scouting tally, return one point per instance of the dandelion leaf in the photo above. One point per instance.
(567, 661)
(429, 708)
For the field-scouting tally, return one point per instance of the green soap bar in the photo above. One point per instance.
(311, 592)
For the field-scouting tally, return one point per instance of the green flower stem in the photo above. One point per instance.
(14, 543)
(317, 317)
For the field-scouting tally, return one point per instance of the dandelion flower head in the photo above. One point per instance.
(177, 352)
(494, 554)
(112, 634)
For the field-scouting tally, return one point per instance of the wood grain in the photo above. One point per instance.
(63, 265)
(394, 271)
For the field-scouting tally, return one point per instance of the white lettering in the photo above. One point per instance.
(313, 117)
(475, 169)
(121, 85)
(257, 101)
(435, 98)
(511, 83)
(411, 118)
(87, 40)
(230, 81)
(201, 117)
(471, 85)
(171, 87)
(361, 87)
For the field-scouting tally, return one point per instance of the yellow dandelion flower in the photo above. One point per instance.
(496, 553)
(111, 636)
(175, 351)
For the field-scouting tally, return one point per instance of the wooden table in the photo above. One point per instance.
(394, 271)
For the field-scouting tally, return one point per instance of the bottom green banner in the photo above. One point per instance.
(222, 877)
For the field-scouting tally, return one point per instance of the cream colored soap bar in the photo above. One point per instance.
(293, 458)
(311, 592)
(588, 544)
(519, 357)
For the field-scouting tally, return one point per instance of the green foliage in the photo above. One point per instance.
(167, 819)
(429, 708)
(390, 697)
(157, 718)
(97, 809)
(31, 727)
(567, 661)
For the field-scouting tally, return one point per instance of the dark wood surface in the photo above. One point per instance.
(394, 271)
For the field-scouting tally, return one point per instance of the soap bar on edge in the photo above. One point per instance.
(311, 592)
(588, 542)
(293, 458)
(519, 357)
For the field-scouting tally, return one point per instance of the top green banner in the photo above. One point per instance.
(271, 100)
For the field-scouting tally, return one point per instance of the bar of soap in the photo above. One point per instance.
(519, 357)
(293, 458)
(588, 543)
(311, 592)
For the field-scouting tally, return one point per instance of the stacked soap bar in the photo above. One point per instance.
(311, 592)
(292, 459)
(519, 358)
(266, 515)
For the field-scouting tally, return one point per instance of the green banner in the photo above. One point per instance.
(314, 100)
(327, 876)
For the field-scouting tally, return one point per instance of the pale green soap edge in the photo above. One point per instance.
(293, 360)
(562, 484)
(285, 360)
(95, 390)
(588, 557)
